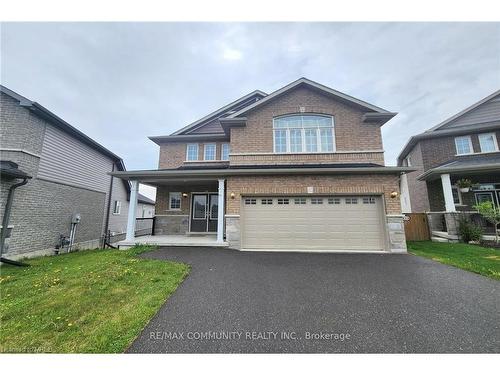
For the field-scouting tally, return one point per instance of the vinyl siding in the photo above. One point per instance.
(118, 222)
(67, 160)
(486, 112)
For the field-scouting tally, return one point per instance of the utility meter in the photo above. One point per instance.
(76, 219)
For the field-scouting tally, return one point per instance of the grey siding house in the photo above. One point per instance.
(70, 175)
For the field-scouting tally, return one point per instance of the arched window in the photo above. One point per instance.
(303, 133)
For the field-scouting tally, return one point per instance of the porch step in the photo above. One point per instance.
(199, 234)
(444, 235)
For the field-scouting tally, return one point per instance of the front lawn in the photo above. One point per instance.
(482, 260)
(94, 301)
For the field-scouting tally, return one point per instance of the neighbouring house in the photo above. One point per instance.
(299, 169)
(144, 212)
(70, 177)
(465, 146)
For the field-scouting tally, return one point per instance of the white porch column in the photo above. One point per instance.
(220, 214)
(132, 208)
(448, 194)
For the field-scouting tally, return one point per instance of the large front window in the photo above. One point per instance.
(304, 133)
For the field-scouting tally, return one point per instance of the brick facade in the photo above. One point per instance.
(297, 185)
(173, 154)
(351, 134)
(356, 141)
(432, 152)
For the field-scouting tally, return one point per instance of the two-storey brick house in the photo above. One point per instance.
(464, 146)
(299, 169)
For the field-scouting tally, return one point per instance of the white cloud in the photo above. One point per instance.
(232, 54)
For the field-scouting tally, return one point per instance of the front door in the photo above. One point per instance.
(204, 212)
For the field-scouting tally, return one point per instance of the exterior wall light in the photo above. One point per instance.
(232, 195)
(394, 194)
(184, 195)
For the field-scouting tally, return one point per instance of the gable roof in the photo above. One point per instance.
(222, 112)
(317, 86)
(452, 126)
(446, 123)
(60, 124)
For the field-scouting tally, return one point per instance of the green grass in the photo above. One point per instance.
(94, 301)
(482, 260)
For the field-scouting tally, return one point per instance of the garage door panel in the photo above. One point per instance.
(326, 226)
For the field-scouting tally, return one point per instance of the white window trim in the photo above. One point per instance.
(223, 145)
(495, 142)
(303, 137)
(460, 203)
(471, 149)
(205, 151)
(197, 151)
(117, 203)
(170, 201)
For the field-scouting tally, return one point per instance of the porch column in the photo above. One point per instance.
(448, 195)
(220, 214)
(132, 208)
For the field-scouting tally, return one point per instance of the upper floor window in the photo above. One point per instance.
(192, 152)
(304, 133)
(488, 142)
(210, 150)
(224, 155)
(463, 145)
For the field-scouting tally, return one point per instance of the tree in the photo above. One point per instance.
(491, 214)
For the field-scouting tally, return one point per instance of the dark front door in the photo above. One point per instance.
(204, 213)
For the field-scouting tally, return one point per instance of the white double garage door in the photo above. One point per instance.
(313, 223)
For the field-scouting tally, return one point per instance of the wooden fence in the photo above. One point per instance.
(416, 227)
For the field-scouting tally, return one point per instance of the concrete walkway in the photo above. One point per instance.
(291, 302)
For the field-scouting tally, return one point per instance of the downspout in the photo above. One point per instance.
(106, 227)
(6, 219)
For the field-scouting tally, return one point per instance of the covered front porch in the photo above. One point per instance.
(450, 203)
(189, 212)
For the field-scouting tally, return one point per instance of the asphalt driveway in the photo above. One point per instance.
(241, 302)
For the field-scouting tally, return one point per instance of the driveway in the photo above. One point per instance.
(243, 302)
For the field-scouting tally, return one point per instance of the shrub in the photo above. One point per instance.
(469, 231)
(491, 214)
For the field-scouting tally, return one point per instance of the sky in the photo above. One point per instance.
(122, 82)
